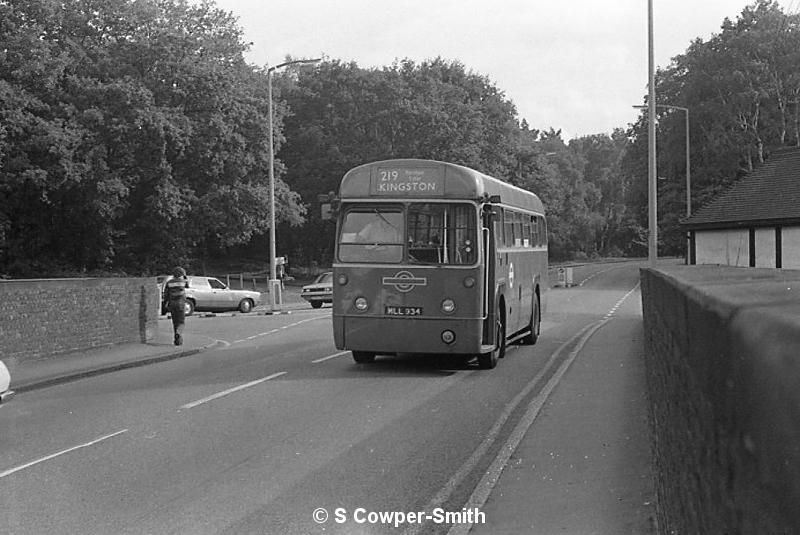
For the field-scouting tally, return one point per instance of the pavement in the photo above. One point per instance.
(581, 466)
(584, 464)
(44, 372)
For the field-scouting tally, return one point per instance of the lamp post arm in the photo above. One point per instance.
(293, 62)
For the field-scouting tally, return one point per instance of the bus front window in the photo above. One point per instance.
(372, 234)
(441, 233)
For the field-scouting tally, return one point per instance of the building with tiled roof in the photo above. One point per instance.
(756, 222)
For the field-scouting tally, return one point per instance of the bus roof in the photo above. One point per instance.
(430, 179)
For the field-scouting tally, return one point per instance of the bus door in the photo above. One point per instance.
(492, 223)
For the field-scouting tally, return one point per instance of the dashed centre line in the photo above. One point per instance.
(329, 357)
(277, 329)
(231, 391)
(63, 452)
(619, 303)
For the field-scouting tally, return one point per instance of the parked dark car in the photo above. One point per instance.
(211, 294)
(320, 291)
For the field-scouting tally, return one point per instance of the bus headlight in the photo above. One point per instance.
(448, 337)
(469, 282)
(361, 303)
(448, 306)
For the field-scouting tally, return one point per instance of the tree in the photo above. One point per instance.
(133, 136)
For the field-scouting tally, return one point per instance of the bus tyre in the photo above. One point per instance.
(487, 361)
(363, 357)
(535, 325)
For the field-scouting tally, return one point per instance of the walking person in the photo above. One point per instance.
(175, 298)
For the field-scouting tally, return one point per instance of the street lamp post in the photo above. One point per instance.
(688, 166)
(276, 299)
(688, 176)
(652, 190)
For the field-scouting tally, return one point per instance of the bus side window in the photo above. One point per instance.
(534, 231)
(496, 220)
(517, 229)
(542, 231)
(508, 228)
(526, 231)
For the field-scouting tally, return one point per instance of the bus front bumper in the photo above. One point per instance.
(408, 335)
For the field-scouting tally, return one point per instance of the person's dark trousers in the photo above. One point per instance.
(176, 309)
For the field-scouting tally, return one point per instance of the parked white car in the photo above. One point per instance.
(211, 294)
(5, 381)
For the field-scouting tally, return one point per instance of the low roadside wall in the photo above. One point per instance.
(723, 367)
(41, 318)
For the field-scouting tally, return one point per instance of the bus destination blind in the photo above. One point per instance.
(407, 182)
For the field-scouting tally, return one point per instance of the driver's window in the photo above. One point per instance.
(375, 226)
(372, 234)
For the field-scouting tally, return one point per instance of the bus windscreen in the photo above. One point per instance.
(419, 233)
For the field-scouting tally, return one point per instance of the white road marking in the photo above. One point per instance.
(323, 359)
(619, 303)
(231, 391)
(273, 331)
(593, 275)
(54, 455)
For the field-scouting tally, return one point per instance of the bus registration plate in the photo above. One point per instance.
(402, 311)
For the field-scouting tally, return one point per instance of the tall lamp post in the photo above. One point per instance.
(652, 191)
(276, 299)
(688, 167)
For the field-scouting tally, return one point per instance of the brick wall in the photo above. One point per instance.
(41, 318)
(723, 371)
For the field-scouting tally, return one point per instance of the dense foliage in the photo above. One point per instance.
(133, 136)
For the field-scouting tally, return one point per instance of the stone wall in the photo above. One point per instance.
(41, 318)
(723, 365)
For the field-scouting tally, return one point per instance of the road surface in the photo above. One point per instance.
(276, 431)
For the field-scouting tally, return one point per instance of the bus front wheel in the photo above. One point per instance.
(487, 361)
(363, 357)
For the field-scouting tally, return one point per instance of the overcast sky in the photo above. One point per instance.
(574, 65)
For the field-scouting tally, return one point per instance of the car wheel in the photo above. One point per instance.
(245, 306)
(316, 304)
(363, 357)
(188, 307)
